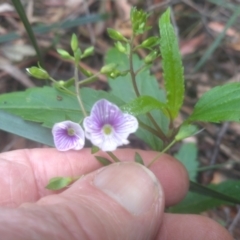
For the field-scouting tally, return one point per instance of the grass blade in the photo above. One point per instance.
(217, 41)
(21, 12)
(60, 25)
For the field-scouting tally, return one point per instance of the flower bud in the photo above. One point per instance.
(120, 47)
(151, 57)
(116, 35)
(74, 42)
(108, 68)
(38, 73)
(86, 72)
(114, 74)
(150, 42)
(138, 20)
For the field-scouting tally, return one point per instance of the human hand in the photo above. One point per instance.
(121, 201)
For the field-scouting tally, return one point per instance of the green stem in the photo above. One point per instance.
(150, 129)
(140, 69)
(114, 157)
(160, 132)
(133, 77)
(88, 80)
(78, 92)
(134, 82)
(159, 154)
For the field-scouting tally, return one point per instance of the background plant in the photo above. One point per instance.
(130, 75)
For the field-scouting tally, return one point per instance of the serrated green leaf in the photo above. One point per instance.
(143, 105)
(138, 158)
(171, 64)
(104, 161)
(58, 183)
(197, 203)
(147, 85)
(47, 105)
(187, 155)
(186, 131)
(221, 103)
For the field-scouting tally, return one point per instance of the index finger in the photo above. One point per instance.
(25, 173)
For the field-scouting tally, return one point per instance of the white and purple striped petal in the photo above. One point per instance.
(108, 127)
(68, 135)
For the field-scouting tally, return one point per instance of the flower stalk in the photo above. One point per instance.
(78, 91)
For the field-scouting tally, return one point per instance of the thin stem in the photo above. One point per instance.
(160, 132)
(88, 80)
(150, 129)
(134, 82)
(159, 154)
(114, 157)
(78, 92)
(140, 69)
(133, 77)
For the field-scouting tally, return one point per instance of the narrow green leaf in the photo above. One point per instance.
(198, 202)
(186, 131)
(21, 12)
(103, 161)
(198, 188)
(221, 103)
(33, 131)
(218, 40)
(143, 105)
(58, 183)
(171, 64)
(138, 158)
(223, 3)
(65, 24)
(187, 155)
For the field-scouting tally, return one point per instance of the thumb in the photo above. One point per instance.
(121, 201)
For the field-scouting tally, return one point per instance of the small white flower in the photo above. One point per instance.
(108, 127)
(68, 135)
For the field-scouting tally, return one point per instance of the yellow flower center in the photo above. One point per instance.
(107, 129)
(70, 131)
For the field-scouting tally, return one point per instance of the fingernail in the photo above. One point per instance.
(131, 185)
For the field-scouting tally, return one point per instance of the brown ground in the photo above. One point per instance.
(198, 24)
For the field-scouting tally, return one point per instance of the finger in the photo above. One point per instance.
(121, 201)
(190, 227)
(25, 173)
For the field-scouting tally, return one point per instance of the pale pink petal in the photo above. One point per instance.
(63, 141)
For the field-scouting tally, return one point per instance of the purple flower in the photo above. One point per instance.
(108, 127)
(68, 135)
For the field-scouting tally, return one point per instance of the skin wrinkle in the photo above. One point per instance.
(35, 177)
(70, 165)
(16, 185)
(65, 223)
